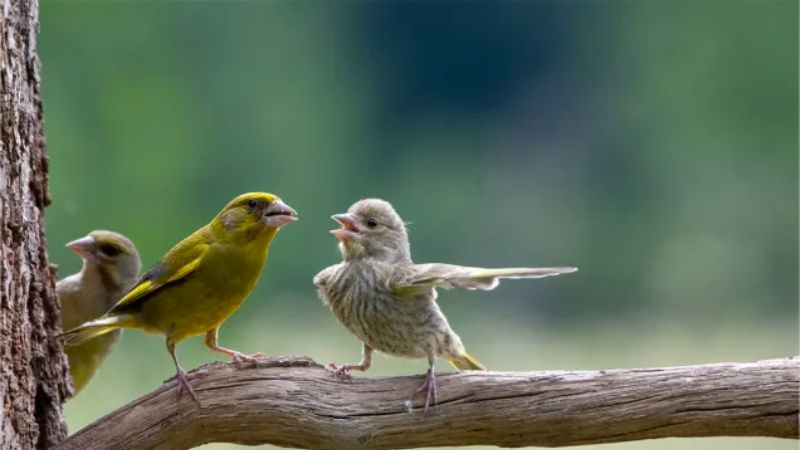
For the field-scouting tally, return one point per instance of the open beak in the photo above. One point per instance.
(349, 228)
(83, 247)
(279, 214)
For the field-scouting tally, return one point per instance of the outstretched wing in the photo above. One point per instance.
(176, 266)
(423, 277)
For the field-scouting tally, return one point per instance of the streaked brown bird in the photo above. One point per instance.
(110, 267)
(389, 303)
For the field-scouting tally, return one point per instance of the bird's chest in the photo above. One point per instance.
(217, 290)
(350, 292)
(230, 273)
(362, 303)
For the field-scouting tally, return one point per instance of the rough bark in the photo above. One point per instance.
(296, 403)
(34, 371)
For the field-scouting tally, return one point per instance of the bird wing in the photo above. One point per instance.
(423, 277)
(321, 279)
(180, 262)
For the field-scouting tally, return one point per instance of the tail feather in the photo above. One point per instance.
(465, 361)
(93, 329)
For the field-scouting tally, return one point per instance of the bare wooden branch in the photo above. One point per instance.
(294, 402)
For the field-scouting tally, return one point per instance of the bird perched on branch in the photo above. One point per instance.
(110, 267)
(201, 281)
(389, 303)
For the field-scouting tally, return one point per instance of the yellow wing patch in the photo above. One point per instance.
(139, 290)
(159, 276)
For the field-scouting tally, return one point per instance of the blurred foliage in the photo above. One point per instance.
(651, 144)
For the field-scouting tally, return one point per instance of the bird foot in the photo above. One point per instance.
(185, 385)
(429, 387)
(342, 372)
(241, 357)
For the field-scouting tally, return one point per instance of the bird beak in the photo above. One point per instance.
(349, 230)
(279, 214)
(83, 247)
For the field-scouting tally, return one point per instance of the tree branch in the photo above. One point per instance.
(294, 402)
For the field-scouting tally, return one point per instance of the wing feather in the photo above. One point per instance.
(447, 276)
(179, 263)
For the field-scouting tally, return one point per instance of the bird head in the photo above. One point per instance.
(372, 229)
(250, 214)
(112, 254)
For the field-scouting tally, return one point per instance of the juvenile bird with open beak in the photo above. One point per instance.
(201, 281)
(110, 267)
(389, 303)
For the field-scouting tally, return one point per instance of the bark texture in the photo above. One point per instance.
(33, 370)
(294, 402)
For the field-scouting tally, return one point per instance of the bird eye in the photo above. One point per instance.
(252, 203)
(110, 250)
(372, 223)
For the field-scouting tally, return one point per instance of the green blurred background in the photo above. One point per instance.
(651, 144)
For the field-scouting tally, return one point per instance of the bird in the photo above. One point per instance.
(389, 303)
(200, 282)
(111, 266)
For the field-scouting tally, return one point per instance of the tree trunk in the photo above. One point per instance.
(33, 369)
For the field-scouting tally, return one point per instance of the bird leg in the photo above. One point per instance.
(211, 342)
(343, 371)
(429, 386)
(183, 378)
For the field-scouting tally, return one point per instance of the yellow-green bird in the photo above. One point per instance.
(201, 281)
(110, 267)
(389, 303)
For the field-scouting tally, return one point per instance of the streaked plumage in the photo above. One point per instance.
(110, 267)
(388, 302)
